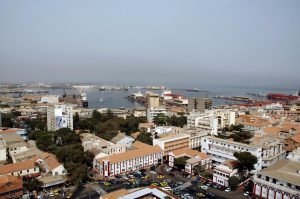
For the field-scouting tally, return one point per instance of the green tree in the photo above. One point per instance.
(180, 162)
(76, 121)
(233, 182)
(246, 162)
(7, 120)
(34, 184)
(178, 121)
(198, 169)
(96, 115)
(161, 119)
(145, 138)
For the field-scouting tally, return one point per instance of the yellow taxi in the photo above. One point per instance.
(164, 184)
(160, 176)
(154, 184)
(69, 195)
(106, 183)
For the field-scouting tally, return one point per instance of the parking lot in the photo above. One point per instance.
(176, 182)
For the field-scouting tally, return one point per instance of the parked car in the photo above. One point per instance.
(227, 190)
(246, 193)
(166, 188)
(204, 187)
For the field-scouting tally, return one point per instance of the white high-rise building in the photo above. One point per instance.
(59, 116)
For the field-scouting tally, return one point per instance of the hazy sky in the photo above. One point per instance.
(225, 42)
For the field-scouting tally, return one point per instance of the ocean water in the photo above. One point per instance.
(117, 99)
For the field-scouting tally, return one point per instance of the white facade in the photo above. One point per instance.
(279, 181)
(206, 120)
(225, 117)
(195, 137)
(2, 151)
(222, 173)
(152, 112)
(59, 116)
(60, 170)
(50, 99)
(128, 161)
(221, 150)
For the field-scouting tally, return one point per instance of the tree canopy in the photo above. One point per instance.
(246, 161)
(66, 145)
(180, 162)
(233, 182)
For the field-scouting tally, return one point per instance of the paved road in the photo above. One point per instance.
(98, 189)
(229, 195)
(91, 191)
(183, 186)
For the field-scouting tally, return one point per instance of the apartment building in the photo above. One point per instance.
(281, 180)
(152, 112)
(59, 116)
(171, 142)
(221, 150)
(199, 104)
(142, 155)
(193, 157)
(205, 120)
(271, 149)
(225, 117)
(224, 171)
(152, 100)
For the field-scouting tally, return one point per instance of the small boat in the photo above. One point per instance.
(101, 99)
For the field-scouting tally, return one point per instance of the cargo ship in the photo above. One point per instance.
(84, 101)
(281, 97)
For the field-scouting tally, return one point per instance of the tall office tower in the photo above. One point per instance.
(59, 116)
(199, 104)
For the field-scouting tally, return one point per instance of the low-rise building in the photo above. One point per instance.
(25, 168)
(22, 132)
(50, 164)
(171, 142)
(221, 150)
(291, 143)
(193, 158)
(11, 187)
(146, 127)
(98, 145)
(142, 155)
(122, 139)
(139, 193)
(224, 171)
(50, 99)
(252, 122)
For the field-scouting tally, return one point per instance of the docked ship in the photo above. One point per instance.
(84, 101)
